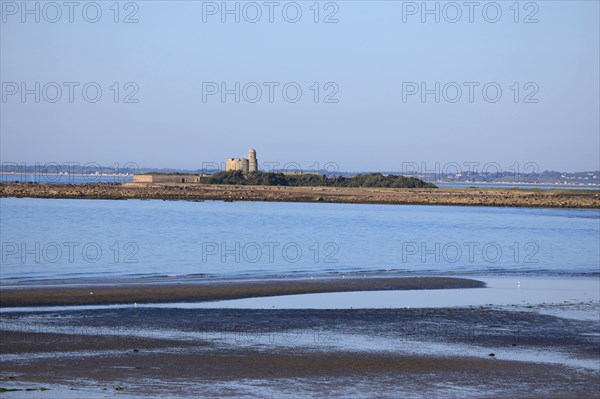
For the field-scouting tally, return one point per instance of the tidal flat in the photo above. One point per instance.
(152, 352)
(157, 350)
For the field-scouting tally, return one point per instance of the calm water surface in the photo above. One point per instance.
(46, 239)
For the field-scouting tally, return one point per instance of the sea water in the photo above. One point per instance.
(46, 240)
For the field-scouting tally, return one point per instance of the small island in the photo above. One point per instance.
(242, 180)
(245, 171)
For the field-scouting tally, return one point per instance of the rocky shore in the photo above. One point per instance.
(196, 192)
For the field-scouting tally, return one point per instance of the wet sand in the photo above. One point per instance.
(196, 192)
(149, 352)
(295, 353)
(181, 291)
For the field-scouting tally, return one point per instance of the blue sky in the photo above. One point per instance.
(365, 117)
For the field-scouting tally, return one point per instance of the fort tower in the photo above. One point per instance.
(252, 162)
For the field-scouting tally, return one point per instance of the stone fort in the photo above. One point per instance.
(244, 165)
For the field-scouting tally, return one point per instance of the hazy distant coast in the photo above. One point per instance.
(195, 192)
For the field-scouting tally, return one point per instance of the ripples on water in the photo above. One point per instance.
(63, 239)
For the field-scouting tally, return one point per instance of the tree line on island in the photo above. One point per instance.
(280, 179)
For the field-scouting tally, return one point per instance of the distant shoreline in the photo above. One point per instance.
(497, 197)
(120, 176)
(517, 184)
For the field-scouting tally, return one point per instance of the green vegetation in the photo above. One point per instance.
(279, 179)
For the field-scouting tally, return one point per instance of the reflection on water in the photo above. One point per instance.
(499, 292)
(549, 294)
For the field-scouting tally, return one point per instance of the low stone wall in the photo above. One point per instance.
(169, 178)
